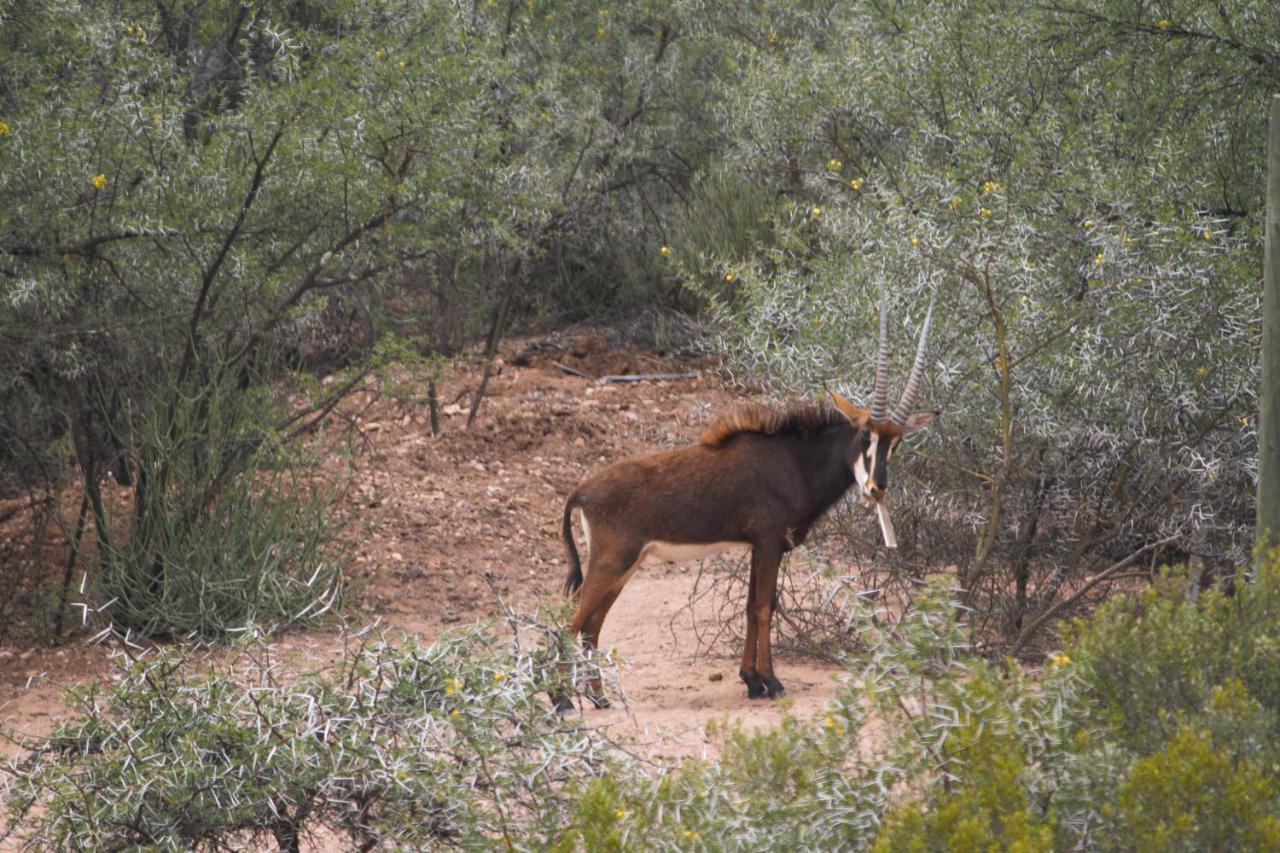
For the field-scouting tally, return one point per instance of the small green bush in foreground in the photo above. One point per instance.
(396, 745)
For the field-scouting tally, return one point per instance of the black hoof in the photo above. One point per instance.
(563, 705)
(755, 686)
(774, 687)
(600, 701)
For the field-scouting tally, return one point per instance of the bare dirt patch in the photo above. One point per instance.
(443, 525)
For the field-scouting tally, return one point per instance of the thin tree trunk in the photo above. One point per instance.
(491, 348)
(1268, 516)
(71, 565)
(433, 403)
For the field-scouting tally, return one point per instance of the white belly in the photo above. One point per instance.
(680, 552)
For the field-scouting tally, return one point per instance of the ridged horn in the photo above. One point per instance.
(880, 396)
(903, 409)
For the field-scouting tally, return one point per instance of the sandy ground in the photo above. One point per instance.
(445, 523)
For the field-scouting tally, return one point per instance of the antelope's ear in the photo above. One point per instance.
(919, 420)
(857, 416)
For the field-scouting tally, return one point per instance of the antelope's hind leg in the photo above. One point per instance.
(606, 576)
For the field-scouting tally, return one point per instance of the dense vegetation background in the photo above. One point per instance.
(207, 206)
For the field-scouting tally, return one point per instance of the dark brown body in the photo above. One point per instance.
(759, 479)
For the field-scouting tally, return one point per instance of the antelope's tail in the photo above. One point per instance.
(574, 580)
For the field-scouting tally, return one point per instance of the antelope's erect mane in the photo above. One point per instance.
(799, 419)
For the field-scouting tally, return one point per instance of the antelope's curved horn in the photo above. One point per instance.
(903, 409)
(880, 396)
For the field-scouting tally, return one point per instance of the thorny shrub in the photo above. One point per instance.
(394, 745)
(927, 748)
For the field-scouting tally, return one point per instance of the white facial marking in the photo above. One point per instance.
(863, 464)
(683, 552)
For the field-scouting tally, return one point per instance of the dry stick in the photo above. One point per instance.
(645, 377)
(71, 565)
(1048, 614)
(491, 349)
(567, 369)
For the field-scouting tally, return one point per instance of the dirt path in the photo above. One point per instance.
(673, 687)
(442, 522)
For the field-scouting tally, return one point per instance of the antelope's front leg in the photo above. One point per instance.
(764, 590)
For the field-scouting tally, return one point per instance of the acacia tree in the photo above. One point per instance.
(201, 196)
(1069, 183)
(192, 195)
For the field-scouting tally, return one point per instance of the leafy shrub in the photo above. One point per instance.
(227, 528)
(396, 745)
(926, 749)
(1191, 796)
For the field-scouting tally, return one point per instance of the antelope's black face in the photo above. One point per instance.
(873, 446)
(871, 466)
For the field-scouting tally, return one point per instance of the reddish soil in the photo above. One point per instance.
(446, 523)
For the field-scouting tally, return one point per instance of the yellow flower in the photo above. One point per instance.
(1163, 23)
(664, 251)
(1201, 370)
(984, 211)
(453, 685)
(1059, 659)
(604, 13)
(954, 204)
(99, 181)
(379, 54)
(1097, 259)
(599, 32)
(455, 713)
(1088, 223)
(4, 129)
(915, 241)
(990, 186)
(402, 63)
(497, 676)
(689, 833)
(1207, 234)
(834, 164)
(620, 813)
(856, 183)
(729, 276)
(815, 213)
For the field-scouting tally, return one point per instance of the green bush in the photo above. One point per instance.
(228, 527)
(1189, 795)
(1154, 664)
(396, 745)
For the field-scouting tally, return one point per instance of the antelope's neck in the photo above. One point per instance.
(824, 459)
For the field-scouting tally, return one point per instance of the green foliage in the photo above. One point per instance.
(1189, 796)
(219, 551)
(395, 745)
(924, 750)
(1159, 663)
(1070, 183)
(982, 803)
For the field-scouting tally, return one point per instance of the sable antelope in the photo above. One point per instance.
(758, 479)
